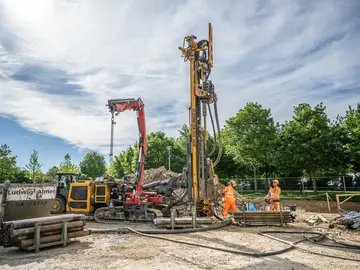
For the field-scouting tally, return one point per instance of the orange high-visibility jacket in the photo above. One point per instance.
(275, 193)
(229, 192)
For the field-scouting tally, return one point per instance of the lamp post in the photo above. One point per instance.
(169, 155)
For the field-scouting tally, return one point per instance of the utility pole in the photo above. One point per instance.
(169, 156)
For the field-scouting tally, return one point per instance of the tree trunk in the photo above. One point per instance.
(314, 182)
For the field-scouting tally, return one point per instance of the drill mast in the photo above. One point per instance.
(200, 168)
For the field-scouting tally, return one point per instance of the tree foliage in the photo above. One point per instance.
(21, 176)
(7, 163)
(93, 165)
(51, 173)
(250, 137)
(66, 166)
(34, 166)
(310, 141)
(307, 145)
(125, 162)
(352, 128)
(157, 154)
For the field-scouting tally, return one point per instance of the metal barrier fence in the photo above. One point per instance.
(299, 185)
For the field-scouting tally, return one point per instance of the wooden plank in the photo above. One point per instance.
(350, 196)
(338, 202)
(328, 202)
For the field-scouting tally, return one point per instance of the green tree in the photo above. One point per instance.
(183, 138)
(309, 142)
(51, 173)
(93, 164)
(22, 176)
(40, 177)
(227, 167)
(127, 158)
(116, 168)
(7, 163)
(157, 154)
(250, 138)
(352, 127)
(66, 166)
(135, 159)
(125, 163)
(34, 165)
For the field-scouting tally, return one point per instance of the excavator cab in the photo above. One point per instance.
(86, 196)
(79, 197)
(64, 180)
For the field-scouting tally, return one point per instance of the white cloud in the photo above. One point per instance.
(120, 49)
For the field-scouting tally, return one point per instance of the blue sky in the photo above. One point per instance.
(60, 61)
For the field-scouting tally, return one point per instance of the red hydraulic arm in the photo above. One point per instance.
(119, 105)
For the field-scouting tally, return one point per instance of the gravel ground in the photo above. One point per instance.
(129, 251)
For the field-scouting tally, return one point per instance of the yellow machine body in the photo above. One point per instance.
(86, 196)
(102, 193)
(79, 197)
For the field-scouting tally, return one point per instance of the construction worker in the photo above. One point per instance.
(273, 196)
(229, 199)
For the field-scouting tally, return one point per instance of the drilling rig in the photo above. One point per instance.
(201, 178)
(112, 203)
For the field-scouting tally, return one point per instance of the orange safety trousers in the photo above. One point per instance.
(229, 203)
(275, 206)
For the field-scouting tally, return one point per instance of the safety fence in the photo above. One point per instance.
(297, 185)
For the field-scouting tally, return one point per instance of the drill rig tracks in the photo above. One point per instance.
(108, 215)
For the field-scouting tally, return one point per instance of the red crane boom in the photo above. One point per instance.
(119, 105)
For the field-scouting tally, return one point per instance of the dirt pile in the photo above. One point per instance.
(156, 174)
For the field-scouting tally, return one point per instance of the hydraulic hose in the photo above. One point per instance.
(346, 243)
(322, 236)
(215, 213)
(213, 126)
(219, 133)
(238, 252)
(292, 245)
(150, 234)
(342, 244)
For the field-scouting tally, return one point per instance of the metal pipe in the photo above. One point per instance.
(54, 238)
(25, 223)
(112, 137)
(46, 228)
(182, 221)
(18, 239)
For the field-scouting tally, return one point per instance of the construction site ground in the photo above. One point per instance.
(130, 251)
